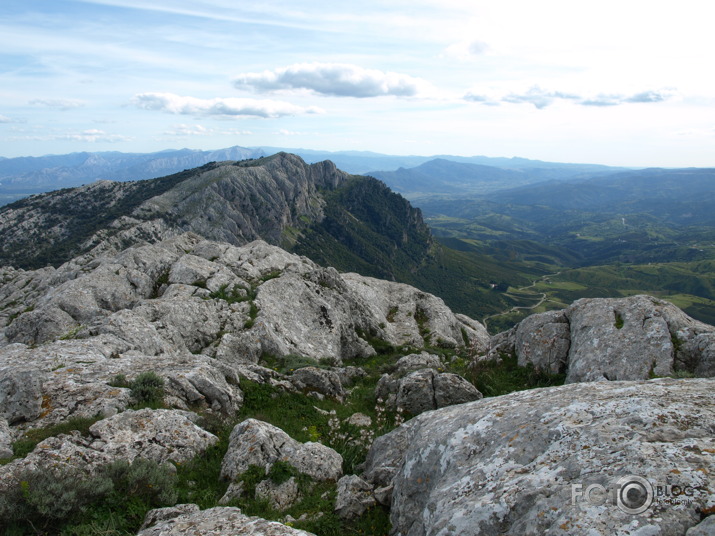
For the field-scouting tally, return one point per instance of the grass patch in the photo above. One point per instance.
(500, 377)
(23, 446)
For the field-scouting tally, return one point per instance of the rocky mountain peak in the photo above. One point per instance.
(276, 199)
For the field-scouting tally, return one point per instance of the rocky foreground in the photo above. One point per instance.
(219, 328)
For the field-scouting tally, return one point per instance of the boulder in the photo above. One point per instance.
(354, 497)
(632, 338)
(253, 442)
(543, 340)
(618, 339)
(424, 390)
(419, 361)
(322, 381)
(20, 395)
(522, 463)
(218, 521)
(160, 435)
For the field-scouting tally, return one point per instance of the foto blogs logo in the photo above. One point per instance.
(632, 494)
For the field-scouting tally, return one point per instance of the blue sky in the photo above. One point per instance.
(613, 82)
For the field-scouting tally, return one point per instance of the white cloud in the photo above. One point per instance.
(200, 130)
(541, 98)
(467, 50)
(334, 79)
(60, 104)
(85, 136)
(6, 119)
(227, 107)
(94, 136)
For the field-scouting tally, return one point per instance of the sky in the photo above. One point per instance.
(625, 82)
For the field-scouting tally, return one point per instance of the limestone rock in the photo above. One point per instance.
(424, 390)
(633, 338)
(705, 528)
(20, 395)
(279, 496)
(157, 435)
(77, 375)
(313, 379)
(189, 295)
(160, 435)
(543, 341)
(419, 361)
(407, 313)
(513, 464)
(6, 440)
(354, 497)
(219, 521)
(618, 339)
(386, 455)
(254, 442)
(157, 515)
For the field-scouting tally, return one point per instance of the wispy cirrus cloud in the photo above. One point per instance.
(541, 98)
(615, 100)
(333, 79)
(59, 104)
(226, 107)
(7, 120)
(85, 136)
(184, 130)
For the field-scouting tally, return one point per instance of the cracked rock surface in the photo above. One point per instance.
(509, 464)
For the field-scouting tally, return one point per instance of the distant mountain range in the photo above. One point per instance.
(20, 177)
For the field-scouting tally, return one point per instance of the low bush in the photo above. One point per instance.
(148, 390)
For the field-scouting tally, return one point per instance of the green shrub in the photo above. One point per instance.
(281, 471)
(120, 380)
(143, 480)
(68, 501)
(148, 389)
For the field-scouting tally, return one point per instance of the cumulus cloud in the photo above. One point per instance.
(59, 104)
(227, 107)
(333, 79)
(541, 98)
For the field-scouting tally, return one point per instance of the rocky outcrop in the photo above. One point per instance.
(219, 521)
(424, 390)
(157, 435)
(522, 463)
(254, 442)
(632, 338)
(80, 379)
(196, 313)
